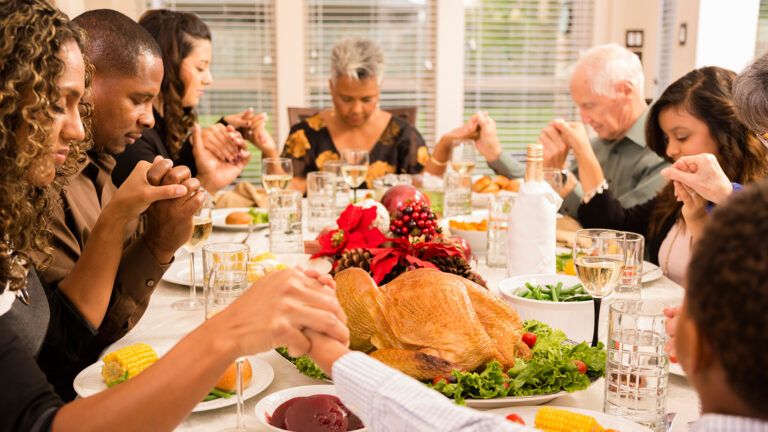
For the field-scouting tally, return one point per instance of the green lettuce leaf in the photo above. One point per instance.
(304, 364)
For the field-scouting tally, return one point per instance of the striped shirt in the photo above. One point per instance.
(388, 400)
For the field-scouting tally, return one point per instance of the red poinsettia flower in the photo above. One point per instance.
(354, 231)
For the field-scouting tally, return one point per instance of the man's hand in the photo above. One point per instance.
(555, 148)
(671, 326)
(213, 172)
(138, 192)
(487, 143)
(278, 308)
(169, 223)
(224, 142)
(253, 128)
(702, 174)
(574, 134)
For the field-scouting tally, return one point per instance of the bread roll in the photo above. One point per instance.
(491, 188)
(481, 184)
(238, 218)
(513, 186)
(501, 181)
(228, 381)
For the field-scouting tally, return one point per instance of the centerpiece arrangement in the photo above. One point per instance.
(398, 234)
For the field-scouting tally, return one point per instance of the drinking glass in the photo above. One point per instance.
(498, 217)
(225, 266)
(202, 227)
(276, 173)
(554, 177)
(598, 258)
(342, 188)
(637, 368)
(463, 156)
(285, 222)
(632, 272)
(354, 169)
(321, 193)
(458, 194)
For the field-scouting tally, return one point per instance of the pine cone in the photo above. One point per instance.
(459, 266)
(360, 258)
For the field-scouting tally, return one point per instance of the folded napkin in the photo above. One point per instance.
(531, 230)
(244, 194)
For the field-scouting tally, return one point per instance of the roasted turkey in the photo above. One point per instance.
(426, 323)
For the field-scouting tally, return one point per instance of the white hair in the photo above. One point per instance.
(609, 64)
(357, 59)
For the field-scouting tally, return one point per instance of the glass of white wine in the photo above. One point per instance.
(202, 227)
(463, 156)
(276, 173)
(599, 258)
(355, 168)
(225, 266)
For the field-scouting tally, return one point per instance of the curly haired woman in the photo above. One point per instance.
(185, 41)
(42, 82)
(694, 115)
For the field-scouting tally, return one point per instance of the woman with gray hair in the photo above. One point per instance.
(355, 122)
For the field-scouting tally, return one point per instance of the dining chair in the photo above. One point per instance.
(298, 114)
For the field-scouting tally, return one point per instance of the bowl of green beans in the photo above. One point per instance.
(555, 299)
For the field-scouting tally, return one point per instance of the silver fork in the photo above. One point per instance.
(250, 231)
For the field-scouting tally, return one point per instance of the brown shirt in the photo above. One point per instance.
(73, 219)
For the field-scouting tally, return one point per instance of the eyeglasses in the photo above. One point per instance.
(763, 138)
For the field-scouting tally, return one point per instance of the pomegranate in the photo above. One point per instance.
(395, 196)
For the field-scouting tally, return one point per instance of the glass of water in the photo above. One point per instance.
(498, 217)
(637, 367)
(458, 194)
(342, 188)
(285, 222)
(321, 194)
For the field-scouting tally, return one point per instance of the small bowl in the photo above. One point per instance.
(268, 404)
(478, 240)
(574, 318)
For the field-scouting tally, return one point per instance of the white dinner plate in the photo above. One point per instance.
(528, 413)
(268, 404)
(219, 218)
(676, 369)
(511, 401)
(89, 382)
(651, 271)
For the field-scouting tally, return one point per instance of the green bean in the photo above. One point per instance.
(580, 298)
(555, 289)
(210, 397)
(570, 290)
(530, 287)
(219, 393)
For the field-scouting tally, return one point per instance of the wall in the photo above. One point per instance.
(727, 33)
(684, 56)
(74, 8)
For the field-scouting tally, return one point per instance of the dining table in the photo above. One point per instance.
(161, 327)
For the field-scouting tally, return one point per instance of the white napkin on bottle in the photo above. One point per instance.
(531, 230)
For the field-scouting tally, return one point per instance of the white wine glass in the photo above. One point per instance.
(202, 226)
(463, 156)
(276, 173)
(598, 257)
(355, 168)
(225, 266)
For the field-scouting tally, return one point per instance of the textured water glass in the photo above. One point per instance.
(321, 195)
(285, 222)
(554, 177)
(458, 194)
(498, 217)
(342, 188)
(631, 277)
(637, 367)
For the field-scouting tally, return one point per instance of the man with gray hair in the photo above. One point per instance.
(607, 87)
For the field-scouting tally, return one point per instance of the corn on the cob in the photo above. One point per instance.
(551, 419)
(126, 363)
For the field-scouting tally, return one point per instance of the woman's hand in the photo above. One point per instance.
(224, 142)
(694, 209)
(253, 128)
(574, 136)
(213, 172)
(136, 194)
(702, 174)
(671, 325)
(487, 142)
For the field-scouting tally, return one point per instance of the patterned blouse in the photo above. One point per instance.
(399, 150)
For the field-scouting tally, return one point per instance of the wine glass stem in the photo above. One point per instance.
(596, 301)
(192, 287)
(239, 385)
(354, 195)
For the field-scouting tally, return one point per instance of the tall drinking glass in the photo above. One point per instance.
(598, 257)
(276, 173)
(225, 266)
(498, 217)
(554, 177)
(463, 156)
(355, 168)
(202, 227)
(321, 193)
(458, 194)
(632, 273)
(285, 222)
(342, 188)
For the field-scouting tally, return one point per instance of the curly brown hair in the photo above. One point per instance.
(32, 32)
(175, 32)
(706, 94)
(727, 293)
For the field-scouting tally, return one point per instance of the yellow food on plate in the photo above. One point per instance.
(127, 362)
(261, 264)
(469, 226)
(228, 381)
(551, 419)
(569, 268)
(238, 218)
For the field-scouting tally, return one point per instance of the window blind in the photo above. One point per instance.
(404, 29)
(517, 59)
(762, 30)
(243, 64)
(667, 42)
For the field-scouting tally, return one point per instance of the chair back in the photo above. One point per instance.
(298, 114)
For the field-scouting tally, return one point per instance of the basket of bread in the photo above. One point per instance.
(485, 187)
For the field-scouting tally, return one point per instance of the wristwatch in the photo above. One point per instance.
(564, 173)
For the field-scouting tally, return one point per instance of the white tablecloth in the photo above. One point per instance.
(162, 326)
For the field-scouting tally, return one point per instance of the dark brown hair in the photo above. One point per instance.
(176, 33)
(706, 94)
(727, 295)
